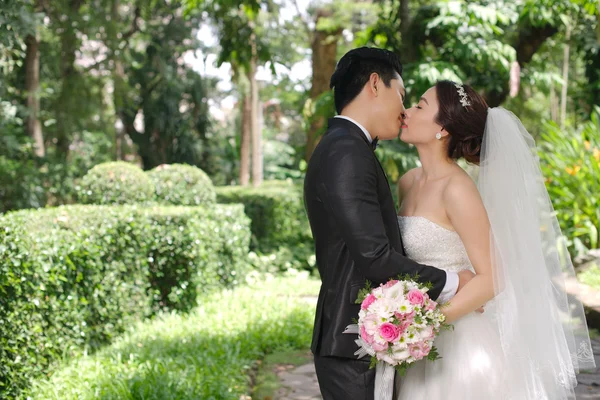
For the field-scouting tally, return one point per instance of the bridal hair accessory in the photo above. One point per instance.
(464, 99)
(438, 136)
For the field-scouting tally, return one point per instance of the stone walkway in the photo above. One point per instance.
(301, 383)
(589, 381)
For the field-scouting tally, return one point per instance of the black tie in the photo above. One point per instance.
(374, 143)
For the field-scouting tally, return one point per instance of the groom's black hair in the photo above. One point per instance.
(354, 69)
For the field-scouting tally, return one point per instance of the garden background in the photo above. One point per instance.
(153, 239)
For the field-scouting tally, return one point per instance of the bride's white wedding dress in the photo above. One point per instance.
(472, 364)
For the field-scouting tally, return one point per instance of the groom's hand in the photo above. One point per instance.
(463, 278)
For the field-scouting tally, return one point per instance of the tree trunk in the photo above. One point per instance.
(553, 103)
(256, 131)
(66, 103)
(408, 50)
(324, 59)
(32, 85)
(565, 76)
(527, 42)
(245, 141)
(119, 79)
(118, 99)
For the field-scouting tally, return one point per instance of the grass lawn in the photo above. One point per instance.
(206, 354)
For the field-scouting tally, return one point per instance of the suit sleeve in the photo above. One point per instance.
(349, 188)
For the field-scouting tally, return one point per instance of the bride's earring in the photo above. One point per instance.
(438, 135)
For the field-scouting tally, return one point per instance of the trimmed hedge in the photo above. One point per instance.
(181, 184)
(277, 213)
(281, 234)
(115, 183)
(74, 277)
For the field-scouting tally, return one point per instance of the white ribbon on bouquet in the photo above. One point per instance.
(384, 372)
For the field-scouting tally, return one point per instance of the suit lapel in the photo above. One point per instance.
(353, 129)
(393, 206)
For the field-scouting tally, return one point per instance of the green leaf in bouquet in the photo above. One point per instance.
(373, 363)
(433, 354)
(409, 277)
(402, 368)
(363, 293)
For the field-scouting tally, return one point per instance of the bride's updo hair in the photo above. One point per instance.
(465, 124)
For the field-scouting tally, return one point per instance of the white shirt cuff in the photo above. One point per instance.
(450, 288)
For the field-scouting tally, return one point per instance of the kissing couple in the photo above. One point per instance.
(491, 249)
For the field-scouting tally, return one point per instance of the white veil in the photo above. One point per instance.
(542, 328)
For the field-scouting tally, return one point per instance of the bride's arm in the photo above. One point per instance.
(467, 214)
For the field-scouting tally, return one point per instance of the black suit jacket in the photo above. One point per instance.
(355, 229)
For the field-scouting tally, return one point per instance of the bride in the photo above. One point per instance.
(532, 338)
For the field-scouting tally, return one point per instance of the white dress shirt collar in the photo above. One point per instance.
(362, 128)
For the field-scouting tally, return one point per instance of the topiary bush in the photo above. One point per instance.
(276, 210)
(115, 183)
(73, 277)
(181, 184)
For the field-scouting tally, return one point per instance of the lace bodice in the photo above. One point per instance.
(429, 243)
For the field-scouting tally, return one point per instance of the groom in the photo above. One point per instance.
(353, 217)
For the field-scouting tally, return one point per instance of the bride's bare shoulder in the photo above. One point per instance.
(407, 180)
(461, 188)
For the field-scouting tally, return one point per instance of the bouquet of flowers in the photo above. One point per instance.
(397, 324)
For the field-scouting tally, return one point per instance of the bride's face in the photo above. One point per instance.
(419, 123)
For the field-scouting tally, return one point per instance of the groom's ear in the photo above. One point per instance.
(374, 84)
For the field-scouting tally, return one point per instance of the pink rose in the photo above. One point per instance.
(418, 350)
(380, 347)
(431, 305)
(389, 284)
(415, 297)
(389, 332)
(365, 336)
(370, 299)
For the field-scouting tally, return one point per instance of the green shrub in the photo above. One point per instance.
(277, 213)
(207, 354)
(180, 184)
(115, 183)
(73, 277)
(571, 165)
